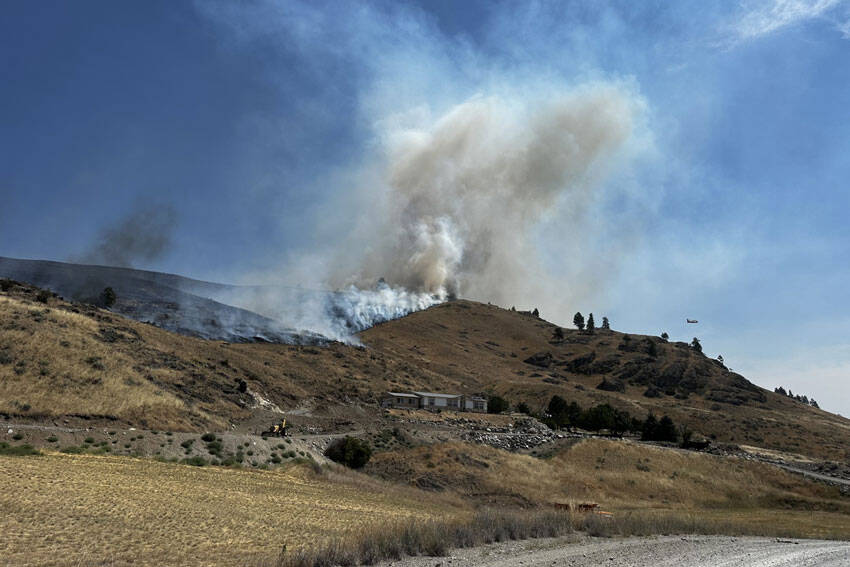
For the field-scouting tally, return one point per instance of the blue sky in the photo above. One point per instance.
(251, 120)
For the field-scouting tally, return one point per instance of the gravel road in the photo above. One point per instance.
(669, 551)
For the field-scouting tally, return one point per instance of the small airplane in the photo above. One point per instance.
(691, 320)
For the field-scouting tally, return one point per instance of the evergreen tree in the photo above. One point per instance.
(557, 410)
(665, 336)
(108, 297)
(558, 334)
(650, 428)
(667, 430)
(813, 403)
(578, 321)
(781, 390)
(591, 325)
(605, 324)
(497, 404)
(695, 344)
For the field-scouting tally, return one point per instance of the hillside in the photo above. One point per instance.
(484, 347)
(181, 305)
(77, 362)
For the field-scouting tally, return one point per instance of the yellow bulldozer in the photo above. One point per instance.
(276, 430)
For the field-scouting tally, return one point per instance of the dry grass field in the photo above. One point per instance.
(629, 478)
(93, 510)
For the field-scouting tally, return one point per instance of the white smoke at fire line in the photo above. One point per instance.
(463, 194)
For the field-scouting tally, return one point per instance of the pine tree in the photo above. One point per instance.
(695, 344)
(665, 336)
(578, 321)
(591, 325)
(605, 324)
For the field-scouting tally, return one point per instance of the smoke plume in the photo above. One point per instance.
(464, 195)
(473, 178)
(142, 236)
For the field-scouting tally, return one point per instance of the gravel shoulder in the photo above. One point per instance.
(694, 551)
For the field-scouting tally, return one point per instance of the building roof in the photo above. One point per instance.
(433, 395)
(402, 395)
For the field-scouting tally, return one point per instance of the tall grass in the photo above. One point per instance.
(432, 538)
(435, 538)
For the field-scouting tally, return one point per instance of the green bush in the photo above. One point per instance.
(52, 439)
(214, 448)
(208, 437)
(73, 450)
(195, 461)
(349, 451)
(18, 436)
(89, 440)
(17, 450)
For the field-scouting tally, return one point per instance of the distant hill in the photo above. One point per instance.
(64, 360)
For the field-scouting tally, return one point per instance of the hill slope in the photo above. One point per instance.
(484, 347)
(59, 359)
(182, 305)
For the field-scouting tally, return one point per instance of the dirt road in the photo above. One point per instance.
(666, 551)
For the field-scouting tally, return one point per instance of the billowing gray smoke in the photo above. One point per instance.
(454, 206)
(463, 196)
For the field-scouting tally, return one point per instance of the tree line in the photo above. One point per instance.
(799, 398)
(560, 414)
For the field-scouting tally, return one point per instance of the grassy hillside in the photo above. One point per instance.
(626, 477)
(482, 347)
(59, 359)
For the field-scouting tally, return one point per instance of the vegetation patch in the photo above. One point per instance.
(18, 450)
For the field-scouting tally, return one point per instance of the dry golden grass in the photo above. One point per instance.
(69, 509)
(624, 477)
(627, 475)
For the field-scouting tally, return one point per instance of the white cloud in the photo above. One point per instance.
(766, 17)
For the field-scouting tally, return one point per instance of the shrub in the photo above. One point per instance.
(208, 437)
(42, 296)
(195, 461)
(349, 451)
(89, 440)
(187, 444)
(73, 450)
(5, 285)
(18, 436)
(52, 439)
(17, 450)
(214, 448)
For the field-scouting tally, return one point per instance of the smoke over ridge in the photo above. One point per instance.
(472, 179)
(463, 196)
